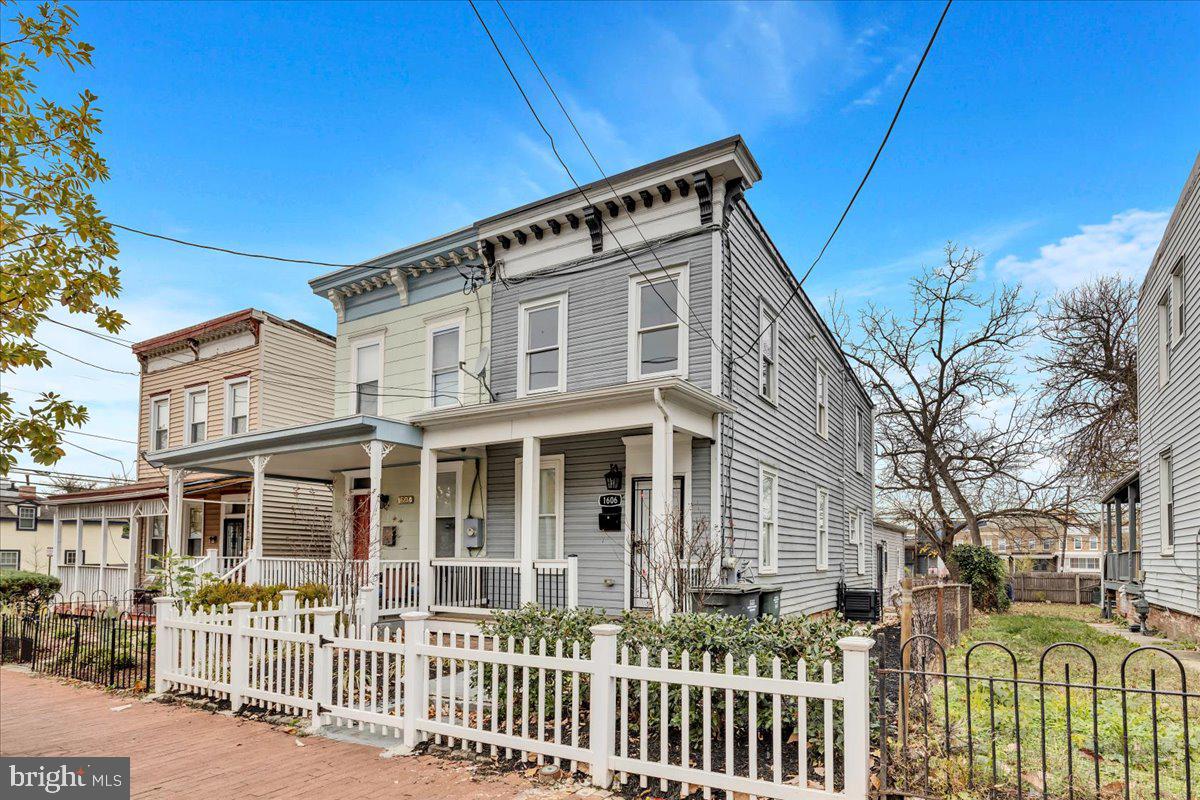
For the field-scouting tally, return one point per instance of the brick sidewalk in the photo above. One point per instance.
(181, 752)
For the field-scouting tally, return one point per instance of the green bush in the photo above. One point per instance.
(18, 586)
(984, 570)
(220, 594)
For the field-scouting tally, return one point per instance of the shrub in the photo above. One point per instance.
(18, 586)
(220, 594)
(984, 570)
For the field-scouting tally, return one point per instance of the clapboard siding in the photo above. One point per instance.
(1170, 415)
(784, 435)
(598, 314)
(296, 518)
(297, 376)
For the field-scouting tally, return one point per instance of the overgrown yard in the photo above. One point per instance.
(1095, 741)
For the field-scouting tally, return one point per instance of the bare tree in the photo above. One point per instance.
(1089, 379)
(678, 561)
(958, 441)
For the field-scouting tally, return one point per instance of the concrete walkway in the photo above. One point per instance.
(180, 752)
(1190, 658)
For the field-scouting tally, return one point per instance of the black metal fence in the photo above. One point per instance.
(91, 640)
(1066, 731)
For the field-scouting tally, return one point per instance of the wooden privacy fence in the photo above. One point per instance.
(684, 719)
(1054, 587)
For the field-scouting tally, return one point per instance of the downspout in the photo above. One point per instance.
(662, 408)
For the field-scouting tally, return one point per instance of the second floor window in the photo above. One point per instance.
(1164, 339)
(1166, 505)
(768, 520)
(237, 406)
(445, 354)
(860, 440)
(822, 402)
(768, 354)
(658, 345)
(27, 518)
(542, 346)
(366, 377)
(196, 411)
(160, 422)
(1177, 300)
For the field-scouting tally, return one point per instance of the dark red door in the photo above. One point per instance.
(362, 526)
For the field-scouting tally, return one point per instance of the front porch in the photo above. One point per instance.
(472, 510)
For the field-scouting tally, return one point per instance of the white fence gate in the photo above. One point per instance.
(767, 730)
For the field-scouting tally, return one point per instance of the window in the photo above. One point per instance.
(73, 556)
(1164, 339)
(1094, 543)
(1166, 504)
(1002, 545)
(445, 355)
(158, 541)
(196, 415)
(768, 520)
(768, 354)
(822, 402)
(822, 529)
(1078, 543)
(860, 444)
(366, 371)
(195, 529)
(1177, 301)
(541, 341)
(10, 559)
(657, 344)
(237, 406)
(160, 422)
(859, 524)
(550, 508)
(27, 517)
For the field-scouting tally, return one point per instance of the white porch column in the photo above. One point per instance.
(104, 549)
(131, 563)
(662, 462)
(78, 545)
(427, 508)
(258, 467)
(531, 463)
(375, 462)
(56, 558)
(175, 510)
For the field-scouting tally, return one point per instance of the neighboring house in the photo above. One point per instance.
(27, 533)
(1169, 420)
(222, 379)
(890, 556)
(545, 384)
(1037, 545)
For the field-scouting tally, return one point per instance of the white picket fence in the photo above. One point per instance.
(681, 718)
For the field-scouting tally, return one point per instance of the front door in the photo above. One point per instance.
(639, 560)
(233, 538)
(361, 543)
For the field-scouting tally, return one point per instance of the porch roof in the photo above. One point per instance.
(313, 452)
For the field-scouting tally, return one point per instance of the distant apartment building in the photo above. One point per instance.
(1044, 545)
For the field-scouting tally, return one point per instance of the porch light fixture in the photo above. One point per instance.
(614, 479)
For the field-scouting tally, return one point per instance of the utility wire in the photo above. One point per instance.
(228, 251)
(559, 158)
(863, 182)
(82, 361)
(591, 155)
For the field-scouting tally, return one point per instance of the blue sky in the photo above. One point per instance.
(1053, 137)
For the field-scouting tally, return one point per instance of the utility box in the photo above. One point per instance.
(473, 533)
(736, 600)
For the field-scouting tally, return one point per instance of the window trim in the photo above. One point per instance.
(27, 507)
(860, 530)
(356, 345)
(558, 462)
(12, 551)
(764, 312)
(1164, 338)
(768, 566)
(523, 311)
(432, 328)
(822, 401)
(860, 459)
(822, 529)
(155, 400)
(188, 421)
(227, 412)
(1166, 505)
(679, 275)
(1177, 322)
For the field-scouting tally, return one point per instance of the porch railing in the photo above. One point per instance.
(112, 581)
(557, 583)
(1123, 566)
(475, 584)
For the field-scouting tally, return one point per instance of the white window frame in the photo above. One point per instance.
(27, 517)
(768, 327)
(860, 530)
(432, 328)
(355, 346)
(158, 401)
(1177, 303)
(1166, 504)
(454, 468)
(822, 408)
(679, 275)
(768, 556)
(190, 507)
(822, 529)
(523, 312)
(227, 412)
(11, 553)
(558, 463)
(860, 450)
(188, 421)
(1164, 339)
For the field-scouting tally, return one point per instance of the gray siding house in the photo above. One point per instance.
(531, 402)
(1169, 421)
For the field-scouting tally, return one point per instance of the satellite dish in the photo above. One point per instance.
(479, 366)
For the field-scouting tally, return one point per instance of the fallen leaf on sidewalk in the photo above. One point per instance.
(299, 743)
(121, 708)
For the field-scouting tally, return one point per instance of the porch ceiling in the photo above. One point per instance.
(315, 452)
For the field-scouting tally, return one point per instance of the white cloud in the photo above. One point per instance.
(1123, 246)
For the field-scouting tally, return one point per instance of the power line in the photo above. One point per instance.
(595, 161)
(559, 158)
(866, 175)
(228, 251)
(124, 468)
(82, 361)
